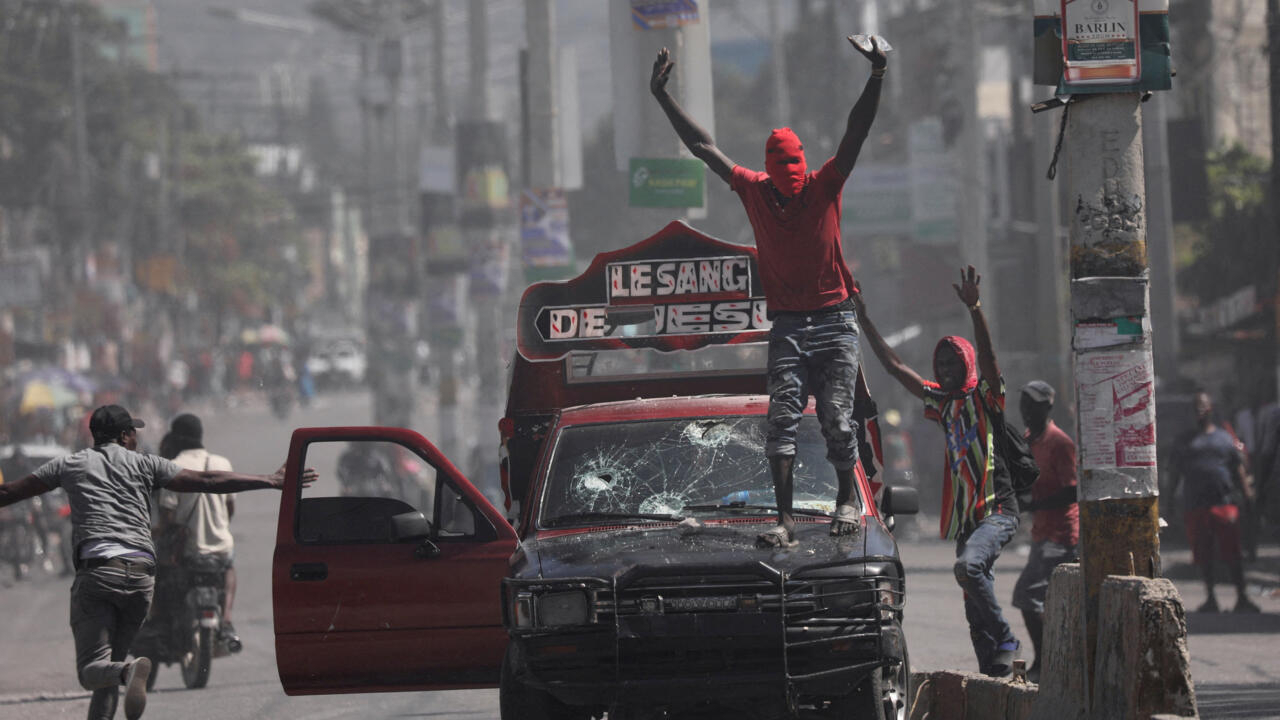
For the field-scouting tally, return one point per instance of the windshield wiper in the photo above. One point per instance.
(744, 506)
(598, 515)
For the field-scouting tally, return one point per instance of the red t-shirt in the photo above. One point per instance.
(1055, 454)
(801, 260)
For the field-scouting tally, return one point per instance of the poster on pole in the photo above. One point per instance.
(1102, 46)
(546, 251)
(1117, 410)
(1100, 42)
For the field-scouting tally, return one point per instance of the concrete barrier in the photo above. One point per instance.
(1062, 682)
(1142, 666)
(952, 695)
(1143, 669)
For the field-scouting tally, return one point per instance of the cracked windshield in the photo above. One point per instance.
(663, 467)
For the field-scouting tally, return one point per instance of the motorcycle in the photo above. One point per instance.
(185, 624)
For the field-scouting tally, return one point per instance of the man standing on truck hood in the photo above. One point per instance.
(813, 344)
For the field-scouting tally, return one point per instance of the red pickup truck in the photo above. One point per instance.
(627, 580)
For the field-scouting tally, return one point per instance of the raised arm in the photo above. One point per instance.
(691, 134)
(227, 481)
(864, 111)
(967, 291)
(893, 365)
(27, 487)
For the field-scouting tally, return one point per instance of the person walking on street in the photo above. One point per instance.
(979, 508)
(200, 523)
(813, 344)
(1209, 465)
(108, 487)
(1055, 529)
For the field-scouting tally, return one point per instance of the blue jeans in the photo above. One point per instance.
(813, 353)
(108, 605)
(975, 559)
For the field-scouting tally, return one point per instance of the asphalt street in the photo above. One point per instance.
(1234, 663)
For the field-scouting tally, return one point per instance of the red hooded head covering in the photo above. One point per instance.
(784, 161)
(965, 351)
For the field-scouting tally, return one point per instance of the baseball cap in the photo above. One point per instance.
(111, 419)
(1039, 390)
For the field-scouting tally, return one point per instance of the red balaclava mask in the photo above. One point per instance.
(784, 161)
(965, 351)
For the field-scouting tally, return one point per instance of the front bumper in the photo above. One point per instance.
(744, 633)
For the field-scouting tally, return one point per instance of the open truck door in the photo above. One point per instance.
(387, 570)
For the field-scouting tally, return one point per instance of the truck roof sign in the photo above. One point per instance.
(679, 289)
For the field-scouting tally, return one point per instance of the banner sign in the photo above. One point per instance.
(1102, 46)
(660, 14)
(667, 182)
(676, 290)
(545, 246)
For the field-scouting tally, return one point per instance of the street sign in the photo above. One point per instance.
(667, 182)
(659, 14)
(878, 200)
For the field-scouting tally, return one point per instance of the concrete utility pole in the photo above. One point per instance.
(972, 208)
(1164, 318)
(81, 146)
(1110, 307)
(1273, 64)
(544, 140)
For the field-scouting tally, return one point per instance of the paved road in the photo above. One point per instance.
(1233, 659)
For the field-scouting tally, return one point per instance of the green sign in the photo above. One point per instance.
(667, 182)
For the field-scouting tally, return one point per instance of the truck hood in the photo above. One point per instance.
(609, 552)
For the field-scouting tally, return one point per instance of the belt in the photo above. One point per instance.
(845, 305)
(120, 563)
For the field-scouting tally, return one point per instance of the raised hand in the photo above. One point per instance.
(872, 47)
(967, 290)
(661, 71)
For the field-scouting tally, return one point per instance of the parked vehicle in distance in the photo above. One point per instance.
(628, 580)
(338, 363)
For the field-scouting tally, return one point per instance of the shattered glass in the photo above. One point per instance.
(662, 466)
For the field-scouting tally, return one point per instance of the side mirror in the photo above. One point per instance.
(900, 500)
(411, 526)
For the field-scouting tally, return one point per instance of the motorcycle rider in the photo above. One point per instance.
(198, 525)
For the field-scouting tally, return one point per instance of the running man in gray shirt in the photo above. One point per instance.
(109, 487)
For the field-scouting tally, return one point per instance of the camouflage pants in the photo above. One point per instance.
(815, 354)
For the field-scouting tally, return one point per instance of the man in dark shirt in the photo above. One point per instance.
(813, 344)
(1210, 466)
(109, 488)
(1055, 531)
(979, 509)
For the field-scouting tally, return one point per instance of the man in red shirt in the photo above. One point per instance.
(1055, 529)
(813, 344)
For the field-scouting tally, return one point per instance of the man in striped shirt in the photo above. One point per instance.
(979, 508)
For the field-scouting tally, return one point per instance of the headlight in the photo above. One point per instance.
(844, 595)
(562, 608)
(887, 592)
